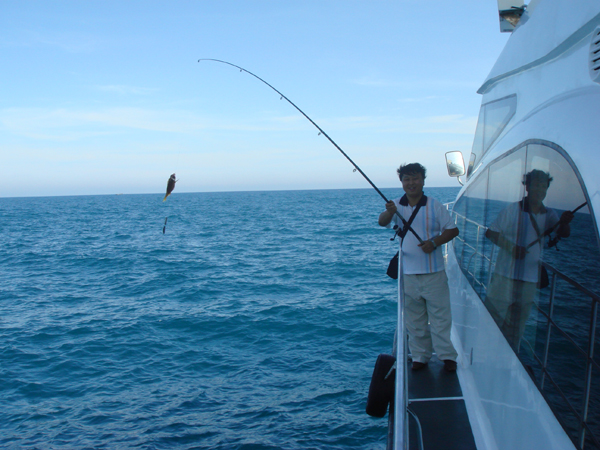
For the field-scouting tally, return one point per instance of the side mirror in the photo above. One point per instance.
(455, 165)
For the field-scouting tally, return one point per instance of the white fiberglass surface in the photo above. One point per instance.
(496, 213)
(542, 30)
(570, 121)
(505, 408)
(555, 131)
(560, 92)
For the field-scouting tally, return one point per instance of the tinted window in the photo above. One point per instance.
(514, 220)
(493, 117)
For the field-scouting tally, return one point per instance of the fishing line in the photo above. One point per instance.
(356, 168)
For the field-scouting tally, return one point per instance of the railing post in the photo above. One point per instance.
(548, 329)
(588, 373)
(476, 250)
(401, 394)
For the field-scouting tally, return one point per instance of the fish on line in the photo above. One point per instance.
(170, 185)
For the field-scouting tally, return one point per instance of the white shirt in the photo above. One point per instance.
(515, 226)
(431, 221)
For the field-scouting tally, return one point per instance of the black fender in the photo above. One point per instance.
(381, 390)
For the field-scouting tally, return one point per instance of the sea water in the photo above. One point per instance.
(253, 322)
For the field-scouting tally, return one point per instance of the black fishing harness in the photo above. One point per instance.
(407, 224)
(392, 270)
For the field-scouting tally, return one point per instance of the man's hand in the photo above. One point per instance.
(386, 217)
(564, 229)
(427, 246)
(391, 207)
(566, 217)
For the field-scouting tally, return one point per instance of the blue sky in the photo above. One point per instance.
(106, 97)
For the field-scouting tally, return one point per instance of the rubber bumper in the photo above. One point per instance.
(381, 391)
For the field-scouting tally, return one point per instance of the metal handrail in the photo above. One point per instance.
(582, 414)
(400, 439)
(475, 250)
(588, 355)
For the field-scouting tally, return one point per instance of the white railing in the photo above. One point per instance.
(401, 353)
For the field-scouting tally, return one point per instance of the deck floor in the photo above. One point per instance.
(435, 397)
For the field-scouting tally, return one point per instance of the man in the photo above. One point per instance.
(426, 293)
(518, 232)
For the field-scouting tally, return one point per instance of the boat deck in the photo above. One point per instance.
(435, 397)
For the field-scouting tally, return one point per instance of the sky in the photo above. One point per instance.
(108, 97)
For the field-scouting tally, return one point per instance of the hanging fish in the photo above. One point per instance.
(170, 186)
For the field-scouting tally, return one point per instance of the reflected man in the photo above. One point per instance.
(518, 231)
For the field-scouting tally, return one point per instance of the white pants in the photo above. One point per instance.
(509, 303)
(428, 316)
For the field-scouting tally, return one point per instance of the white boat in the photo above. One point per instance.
(540, 111)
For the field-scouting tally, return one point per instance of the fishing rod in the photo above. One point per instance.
(356, 168)
(549, 231)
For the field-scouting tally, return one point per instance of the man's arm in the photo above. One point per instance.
(444, 238)
(564, 229)
(386, 217)
(493, 236)
(517, 251)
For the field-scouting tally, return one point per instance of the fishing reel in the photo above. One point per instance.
(397, 232)
(553, 242)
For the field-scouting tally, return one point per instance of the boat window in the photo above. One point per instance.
(493, 117)
(524, 217)
(470, 212)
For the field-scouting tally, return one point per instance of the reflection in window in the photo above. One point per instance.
(470, 212)
(493, 117)
(514, 219)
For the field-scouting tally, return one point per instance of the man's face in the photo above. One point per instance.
(413, 183)
(537, 189)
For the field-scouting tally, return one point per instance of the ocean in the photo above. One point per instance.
(253, 322)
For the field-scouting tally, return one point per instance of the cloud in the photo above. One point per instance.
(126, 90)
(69, 42)
(426, 98)
(65, 124)
(453, 123)
(374, 82)
(73, 124)
(411, 84)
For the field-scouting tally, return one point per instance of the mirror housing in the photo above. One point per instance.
(455, 164)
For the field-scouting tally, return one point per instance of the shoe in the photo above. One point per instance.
(449, 365)
(416, 365)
